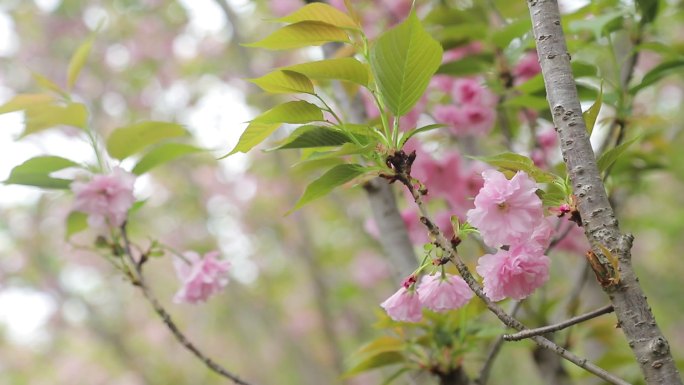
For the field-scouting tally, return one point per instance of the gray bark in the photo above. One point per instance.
(647, 342)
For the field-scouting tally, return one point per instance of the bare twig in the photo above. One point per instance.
(139, 280)
(559, 326)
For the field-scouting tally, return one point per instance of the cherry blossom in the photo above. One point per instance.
(440, 294)
(404, 305)
(105, 198)
(513, 273)
(201, 277)
(506, 210)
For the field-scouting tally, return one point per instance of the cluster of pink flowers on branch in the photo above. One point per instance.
(472, 111)
(438, 292)
(509, 213)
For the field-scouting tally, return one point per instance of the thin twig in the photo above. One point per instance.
(494, 351)
(559, 326)
(139, 281)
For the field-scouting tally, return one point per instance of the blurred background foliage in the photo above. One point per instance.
(305, 288)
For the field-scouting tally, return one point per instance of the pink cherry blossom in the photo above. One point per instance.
(478, 120)
(514, 274)
(442, 294)
(505, 210)
(201, 277)
(471, 91)
(527, 67)
(540, 237)
(404, 305)
(105, 198)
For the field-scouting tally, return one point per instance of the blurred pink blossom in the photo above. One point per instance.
(105, 198)
(368, 268)
(201, 277)
(442, 294)
(527, 68)
(515, 273)
(506, 210)
(284, 7)
(471, 91)
(404, 305)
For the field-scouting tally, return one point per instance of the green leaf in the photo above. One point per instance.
(657, 73)
(648, 10)
(296, 112)
(42, 117)
(48, 84)
(528, 101)
(503, 37)
(609, 157)
(128, 140)
(382, 344)
(516, 162)
(254, 134)
(599, 25)
(347, 68)
(322, 186)
(36, 172)
(320, 12)
(24, 101)
(75, 223)
(78, 60)
(469, 65)
(429, 127)
(374, 362)
(302, 34)
(462, 33)
(314, 136)
(591, 114)
(163, 153)
(403, 60)
(284, 82)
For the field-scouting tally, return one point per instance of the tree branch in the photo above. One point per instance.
(648, 344)
(139, 281)
(475, 286)
(559, 326)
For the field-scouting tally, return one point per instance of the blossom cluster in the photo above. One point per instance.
(438, 292)
(107, 198)
(509, 213)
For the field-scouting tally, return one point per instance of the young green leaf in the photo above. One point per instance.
(49, 85)
(591, 114)
(503, 37)
(657, 73)
(516, 162)
(334, 177)
(403, 60)
(411, 133)
(347, 68)
(323, 13)
(25, 101)
(302, 34)
(284, 82)
(128, 140)
(47, 116)
(374, 362)
(163, 153)
(75, 223)
(78, 60)
(609, 157)
(314, 136)
(36, 172)
(295, 112)
(469, 65)
(254, 134)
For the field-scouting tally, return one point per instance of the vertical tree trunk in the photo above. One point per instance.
(648, 344)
